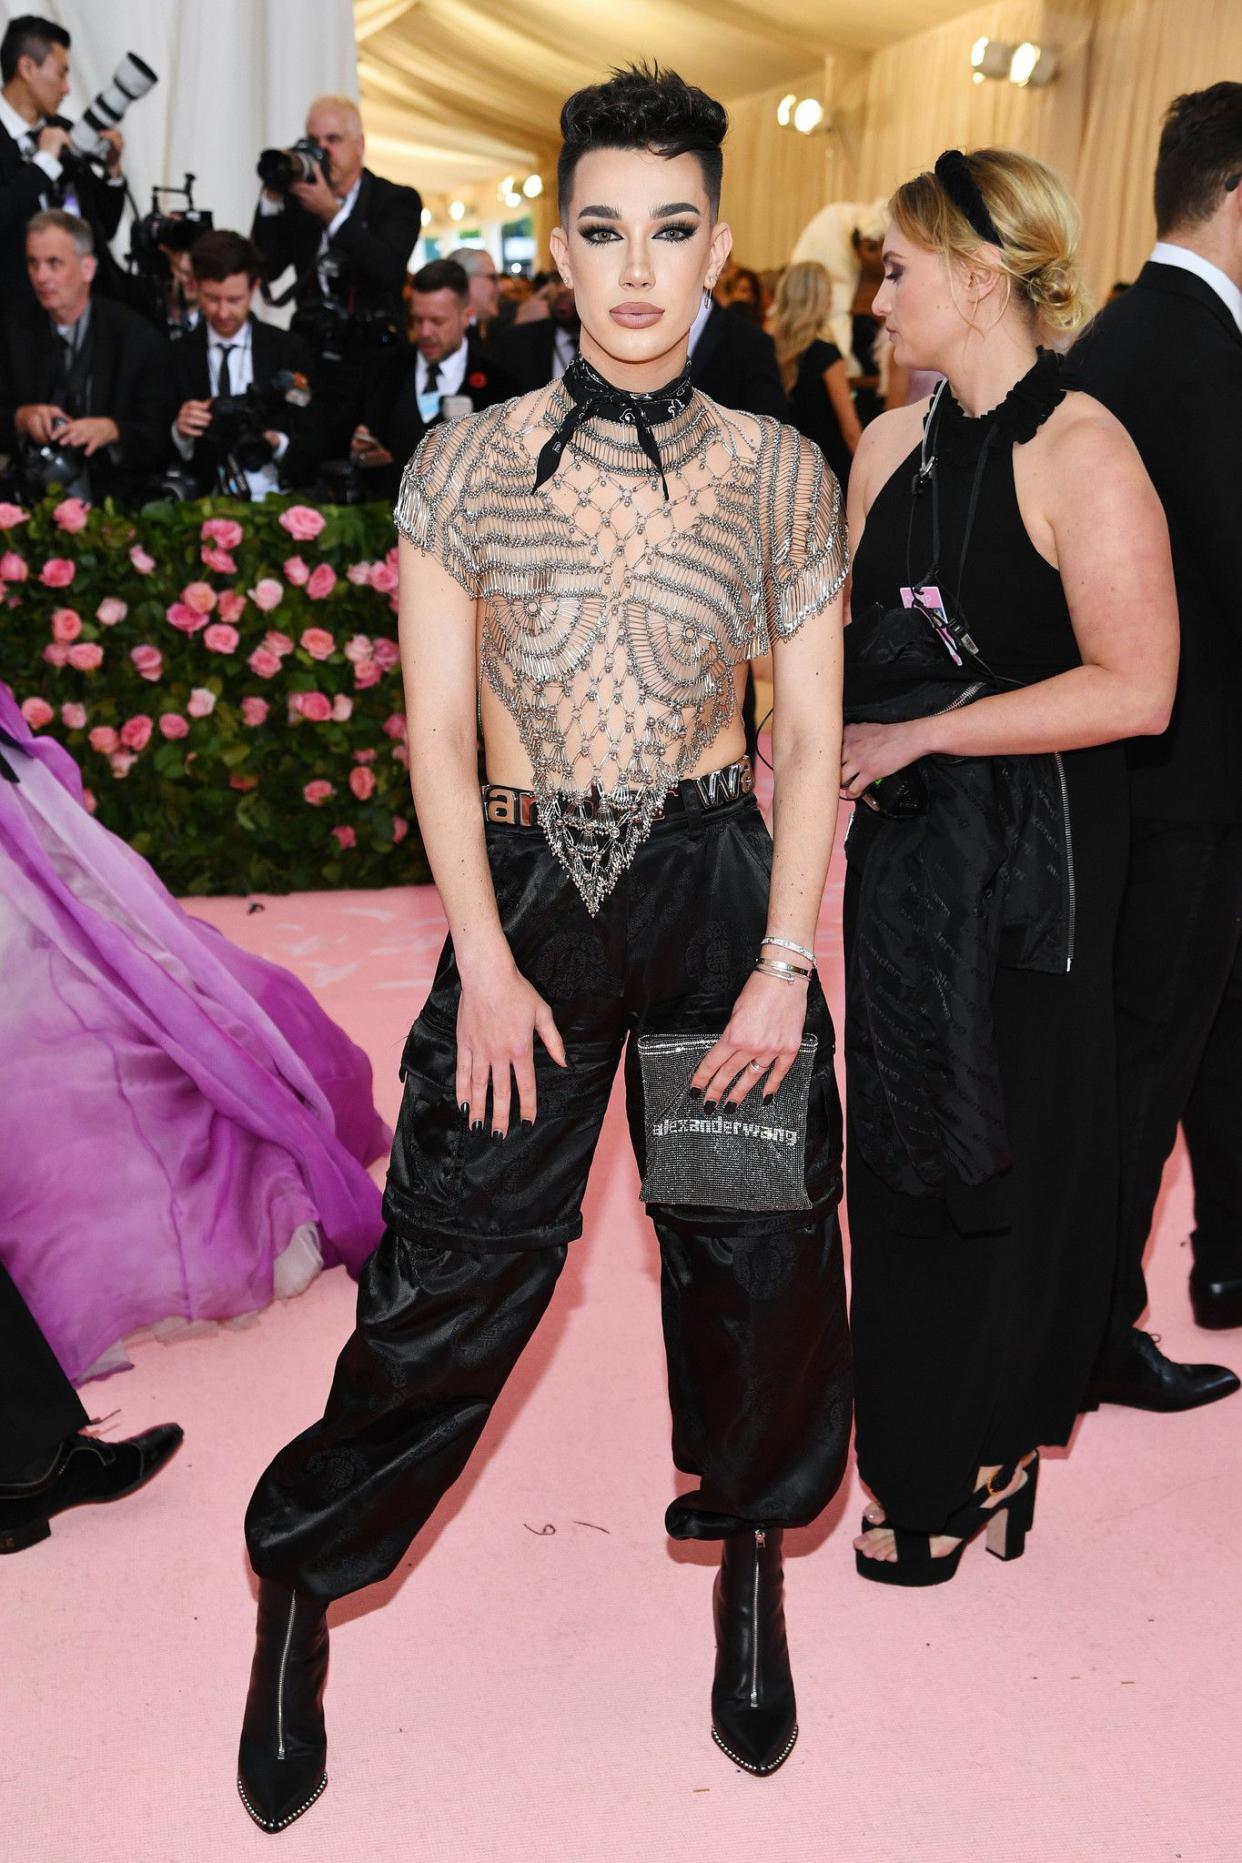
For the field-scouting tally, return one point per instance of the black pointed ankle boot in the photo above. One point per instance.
(284, 1748)
(754, 1716)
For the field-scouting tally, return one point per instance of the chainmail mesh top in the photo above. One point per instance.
(613, 617)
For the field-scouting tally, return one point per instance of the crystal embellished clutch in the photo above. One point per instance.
(751, 1156)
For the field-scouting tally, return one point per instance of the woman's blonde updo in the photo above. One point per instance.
(1037, 220)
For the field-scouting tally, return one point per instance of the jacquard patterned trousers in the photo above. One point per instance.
(753, 1303)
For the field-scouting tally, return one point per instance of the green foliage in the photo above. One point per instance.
(223, 807)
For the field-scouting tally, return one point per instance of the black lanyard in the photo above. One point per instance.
(927, 474)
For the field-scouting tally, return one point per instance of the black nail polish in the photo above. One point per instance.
(696, 1093)
(528, 1125)
(709, 1106)
(497, 1133)
(476, 1125)
(464, 1109)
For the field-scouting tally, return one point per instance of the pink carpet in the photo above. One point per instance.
(532, 1686)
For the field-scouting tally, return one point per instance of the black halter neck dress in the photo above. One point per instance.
(974, 1348)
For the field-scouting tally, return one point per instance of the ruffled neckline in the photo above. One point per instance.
(1017, 419)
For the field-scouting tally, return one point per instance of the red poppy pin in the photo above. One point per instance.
(476, 379)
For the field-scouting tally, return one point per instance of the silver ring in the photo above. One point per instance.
(757, 1067)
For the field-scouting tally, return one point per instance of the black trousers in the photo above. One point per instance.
(1179, 1035)
(38, 1405)
(753, 1303)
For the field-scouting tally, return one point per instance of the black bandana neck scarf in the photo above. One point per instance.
(956, 177)
(590, 395)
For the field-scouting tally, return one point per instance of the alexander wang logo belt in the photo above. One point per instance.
(716, 790)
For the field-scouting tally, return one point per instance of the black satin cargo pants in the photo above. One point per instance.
(753, 1303)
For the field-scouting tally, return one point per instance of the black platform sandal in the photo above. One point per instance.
(1006, 1524)
(282, 1760)
(754, 1715)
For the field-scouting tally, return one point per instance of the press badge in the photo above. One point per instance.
(930, 602)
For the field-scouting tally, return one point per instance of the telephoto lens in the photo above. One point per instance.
(279, 169)
(132, 79)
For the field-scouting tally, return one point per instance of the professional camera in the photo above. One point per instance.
(39, 465)
(342, 482)
(132, 79)
(240, 423)
(279, 169)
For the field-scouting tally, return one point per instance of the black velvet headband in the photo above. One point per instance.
(955, 177)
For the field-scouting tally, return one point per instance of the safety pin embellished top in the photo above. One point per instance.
(612, 616)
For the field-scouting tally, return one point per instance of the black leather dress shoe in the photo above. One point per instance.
(754, 1716)
(1216, 1299)
(283, 1756)
(1137, 1373)
(84, 1470)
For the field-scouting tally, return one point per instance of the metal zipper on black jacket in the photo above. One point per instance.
(280, 1682)
(1069, 860)
(761, 1539)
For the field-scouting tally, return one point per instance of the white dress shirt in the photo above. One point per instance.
(25, 136)
(241, 377)
(448, 382)
(564, 349)
(1164, 252)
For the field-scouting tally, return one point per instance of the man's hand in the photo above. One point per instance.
(497, 1022)
(367, 450)
(193, 419)
(760, 1044)
(115, 150)
(37, 421)
(317, 197)
(52, 141)
(90, 433)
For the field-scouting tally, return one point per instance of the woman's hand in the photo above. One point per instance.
(759, 1044)
(870, 752)
(497, 1021)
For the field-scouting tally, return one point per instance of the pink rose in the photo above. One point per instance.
(143, 563)
(227, 532)
(366, 673)
(315, 706)
(110, 611)
(136, 731)
(345, 836)
(105, 740)
(395, 726)
(254, 711)
(185, 618)
(219, 560)
(263, 663)
(13, 568)
(221, 638)
(322, 583)
(317, 792)
(243, 782)
(88, 801)
(11, 515)
(364, 756)
(302, 522)
(72, 514)
(149, 662)
(266, 594)
(383, 578)
(37, 713)
(296, 571)
(172, 724)
(342, 708)
(122, 762)
(201, 703)
(401, 755)
(362, 782)
(359, 574)
(66, 624)
(400, 828)
(55, 654)
(357, 648)
(73, 717)
(200, 596)
(276, 642)
(318, 642)
(86, 655)
(57, 573)
(232, 602)
(386, 654)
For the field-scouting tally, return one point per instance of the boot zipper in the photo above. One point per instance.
(1069, 860)
(761, 1539)
(280, 1682)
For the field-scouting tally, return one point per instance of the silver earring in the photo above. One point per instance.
(707, 294)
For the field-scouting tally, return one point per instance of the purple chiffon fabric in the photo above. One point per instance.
(175, 1115)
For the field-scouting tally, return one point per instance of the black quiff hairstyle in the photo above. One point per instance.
(28, 36)
(642, 107)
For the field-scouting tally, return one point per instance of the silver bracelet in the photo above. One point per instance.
(787, 944)
(788, 973)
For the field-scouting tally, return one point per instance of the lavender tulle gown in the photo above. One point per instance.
(183, 1131)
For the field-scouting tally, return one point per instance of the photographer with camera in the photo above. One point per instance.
(85, 391)
(348, 234)
(38, 166)
(248, 421)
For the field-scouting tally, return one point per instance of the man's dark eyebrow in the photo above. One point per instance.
(662, 213)
(599, 213)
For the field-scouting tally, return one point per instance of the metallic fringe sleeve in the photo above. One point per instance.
(428, 510)
(806, 537)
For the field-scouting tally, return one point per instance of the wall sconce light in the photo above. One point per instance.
(1034, 65)
(990, 58)
(785, 110)
(807, 115)
(426, 216)
(457, 210)
(532, 187)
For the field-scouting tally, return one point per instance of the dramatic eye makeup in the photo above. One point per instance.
(677, 228)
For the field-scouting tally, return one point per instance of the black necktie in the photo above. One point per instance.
(590, 394)
(433, 376)
(223, 385)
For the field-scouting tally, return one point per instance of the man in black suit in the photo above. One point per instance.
(1166, 358)
(348, 235)
(228, 353)
(81, 374)
(36, 169)
(444, 364)
(538, 350)
(734, 361)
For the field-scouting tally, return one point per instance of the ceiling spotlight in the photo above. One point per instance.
(532, 187)
(808, 115)
(1036, 65)
(512, 198)
(426, 216)
(457, 210)
(785, 109)
(991, 57)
